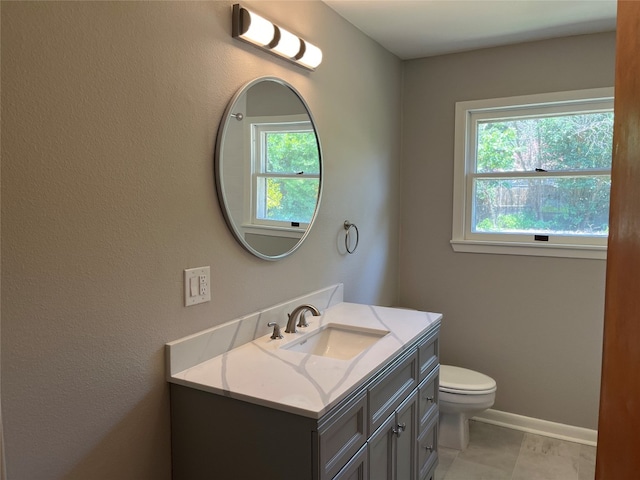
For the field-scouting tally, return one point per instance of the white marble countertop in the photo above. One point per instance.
(264, 373)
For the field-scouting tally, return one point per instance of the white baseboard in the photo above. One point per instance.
(545, 428)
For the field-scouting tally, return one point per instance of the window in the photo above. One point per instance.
(532, 174)
(285, 177)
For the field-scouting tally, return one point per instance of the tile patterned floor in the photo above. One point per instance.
(496, 453)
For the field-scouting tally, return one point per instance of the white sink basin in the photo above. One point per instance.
(337, 341)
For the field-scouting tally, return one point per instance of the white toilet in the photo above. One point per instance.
(463, 393)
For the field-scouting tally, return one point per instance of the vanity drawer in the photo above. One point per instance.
(391, 388)
(341, 435)
(427, 449)
(428, 351)
(428, 398)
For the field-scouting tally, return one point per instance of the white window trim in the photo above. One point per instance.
(461, 241)
(252, 224)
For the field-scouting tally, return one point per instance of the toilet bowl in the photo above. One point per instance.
(463, 394)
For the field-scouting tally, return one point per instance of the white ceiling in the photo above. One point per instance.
(423, 28)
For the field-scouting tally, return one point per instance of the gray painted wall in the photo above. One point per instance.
(532, 323)
(109, 117)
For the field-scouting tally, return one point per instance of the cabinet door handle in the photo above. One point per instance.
(429, 399)
(429, 448)
(399, 429)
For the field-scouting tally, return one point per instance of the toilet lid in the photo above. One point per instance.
(461, 380)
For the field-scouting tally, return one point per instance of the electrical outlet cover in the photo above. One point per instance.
(201, 277)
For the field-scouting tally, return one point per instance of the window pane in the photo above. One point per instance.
(554, 205)
(567, 142)
(288, 199)
(292, 152)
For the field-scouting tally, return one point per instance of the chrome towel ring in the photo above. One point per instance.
(347, 238)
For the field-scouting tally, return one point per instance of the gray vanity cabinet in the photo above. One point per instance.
(385, 429)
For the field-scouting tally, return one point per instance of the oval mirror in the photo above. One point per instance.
(268, 168)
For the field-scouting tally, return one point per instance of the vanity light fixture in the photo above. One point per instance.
(258, 31)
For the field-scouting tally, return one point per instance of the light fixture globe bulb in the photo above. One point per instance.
(289, 45)
(312, 56)
(259, 29)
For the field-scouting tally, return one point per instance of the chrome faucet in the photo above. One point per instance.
(299, 312)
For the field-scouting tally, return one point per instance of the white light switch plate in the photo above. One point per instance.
(197, 286)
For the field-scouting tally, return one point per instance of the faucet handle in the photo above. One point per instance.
(276, 335)
(302, 320)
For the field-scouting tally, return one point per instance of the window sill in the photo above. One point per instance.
(594, 252)
(290, 232)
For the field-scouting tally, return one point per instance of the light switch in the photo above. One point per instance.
(196, 286)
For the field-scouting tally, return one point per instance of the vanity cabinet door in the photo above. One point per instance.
(341, 435)
(381, 451)
(356, 468)
(407, 418)
(392, 448)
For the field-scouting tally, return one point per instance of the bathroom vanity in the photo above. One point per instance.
(294, 409)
